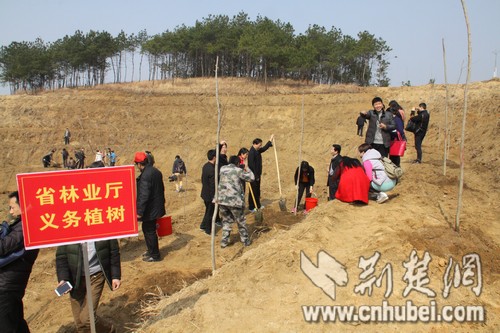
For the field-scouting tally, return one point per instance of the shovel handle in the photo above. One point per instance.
(277, 166)
(253, 197)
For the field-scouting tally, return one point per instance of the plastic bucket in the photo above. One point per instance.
(164, 226)
(311, 203)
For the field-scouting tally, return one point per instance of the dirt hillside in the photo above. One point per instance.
(262, 288)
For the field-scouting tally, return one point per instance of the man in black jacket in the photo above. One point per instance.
(80, 158)
(255, 164)
(47, 159)
(422, 122)
(333, 174)
(150, 204)
(15, 275)
(208, 191)
(360, 122)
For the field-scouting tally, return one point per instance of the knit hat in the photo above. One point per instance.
(140, 157)
(377, 99)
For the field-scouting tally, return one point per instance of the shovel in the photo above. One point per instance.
(282, 202)
(258, 213)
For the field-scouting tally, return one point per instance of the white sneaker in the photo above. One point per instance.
(382, 197)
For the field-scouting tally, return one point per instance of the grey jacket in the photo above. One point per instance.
(373, 121)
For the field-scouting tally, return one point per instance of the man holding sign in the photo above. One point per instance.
(104, 266)
(83, 212)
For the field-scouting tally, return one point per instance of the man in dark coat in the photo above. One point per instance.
(15, 275)
(47, 159)
(65, 156)
(180, 171)
(150, 204)
(380, 126)
(208, 191)
(333, 172)
(255, 164)
(360, 122)
(80, 158)
(422, 122)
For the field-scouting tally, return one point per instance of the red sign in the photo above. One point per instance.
(66, 207)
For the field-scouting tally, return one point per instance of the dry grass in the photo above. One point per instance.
(229, 86)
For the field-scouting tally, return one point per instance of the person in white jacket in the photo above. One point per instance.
(374, 169)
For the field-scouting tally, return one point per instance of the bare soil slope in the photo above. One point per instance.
(262, 288)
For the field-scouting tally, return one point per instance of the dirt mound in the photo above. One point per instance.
(262, 288)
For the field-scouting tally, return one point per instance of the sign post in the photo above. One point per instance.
(88, 285)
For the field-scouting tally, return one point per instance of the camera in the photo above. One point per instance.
(172, 178)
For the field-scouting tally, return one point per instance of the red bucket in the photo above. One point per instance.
(164, 226)
(311, 203)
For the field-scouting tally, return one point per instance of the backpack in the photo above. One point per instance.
(391, 169)
(5, 260)
(411, 126)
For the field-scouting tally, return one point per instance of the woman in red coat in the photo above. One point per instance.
(354, 184)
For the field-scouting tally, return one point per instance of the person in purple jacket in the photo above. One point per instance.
(395, 108)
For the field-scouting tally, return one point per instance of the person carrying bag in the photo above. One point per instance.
(398, 146)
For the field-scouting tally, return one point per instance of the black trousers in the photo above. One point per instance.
(256, 192)
(360, 130)
(12, 312)
(206, 223)
(302, 187)
(419, 137)
(80, 164)
(383, 150)
(395, 159)
(332, 190)
(151, 238)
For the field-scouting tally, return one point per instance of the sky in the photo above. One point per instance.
(415, 30)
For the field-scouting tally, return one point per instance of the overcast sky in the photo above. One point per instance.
(413, 29)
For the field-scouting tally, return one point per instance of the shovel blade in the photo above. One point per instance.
(259, 218)
(282, 204)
